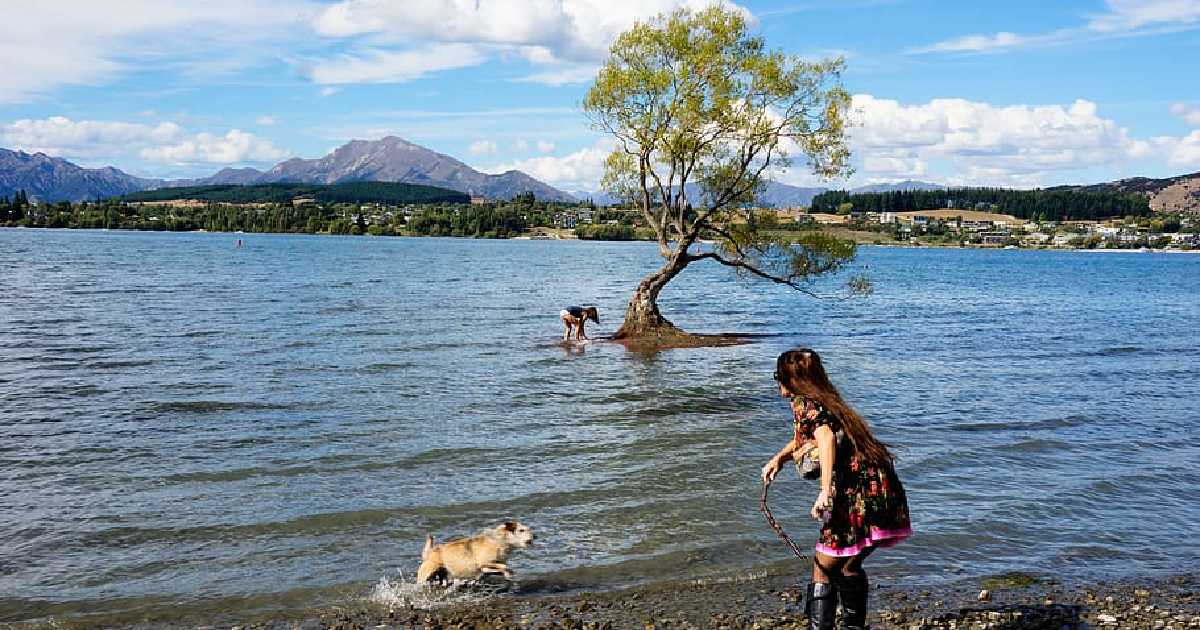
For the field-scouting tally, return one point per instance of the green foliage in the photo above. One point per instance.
(1044, 205)
(496, 220)
(476, 221)
(606, 232)
(350, 192)
(693, 98)
(790, 257)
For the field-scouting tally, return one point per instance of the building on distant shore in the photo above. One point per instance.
(829, 219)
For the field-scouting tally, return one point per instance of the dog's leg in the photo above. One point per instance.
(496, 567)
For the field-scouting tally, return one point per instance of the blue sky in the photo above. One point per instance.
(1012, 93)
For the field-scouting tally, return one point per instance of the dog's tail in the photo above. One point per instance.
(428, 547)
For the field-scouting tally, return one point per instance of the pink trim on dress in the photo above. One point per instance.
(881, 538)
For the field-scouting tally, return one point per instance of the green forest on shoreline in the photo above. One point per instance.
(388, 209)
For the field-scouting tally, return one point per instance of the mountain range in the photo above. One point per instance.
(389, 159)
(54, 179)
(393, 159)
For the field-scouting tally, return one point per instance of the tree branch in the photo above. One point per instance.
(744, 266)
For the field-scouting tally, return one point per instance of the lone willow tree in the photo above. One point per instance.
(701, 114)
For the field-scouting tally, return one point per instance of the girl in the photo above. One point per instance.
(861, 504)
(574, 317)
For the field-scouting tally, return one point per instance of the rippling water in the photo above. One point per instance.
(186, 424)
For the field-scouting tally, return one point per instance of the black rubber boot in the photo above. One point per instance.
(821, 606)
(852, 589)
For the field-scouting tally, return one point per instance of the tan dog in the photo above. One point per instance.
(470, 558)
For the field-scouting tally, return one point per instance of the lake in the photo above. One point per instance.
(187, 425)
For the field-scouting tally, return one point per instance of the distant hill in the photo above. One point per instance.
(349, 192)
(779, 195)
(393, 159)
(240, 176)
(908, 184)
(50, 179)
(1171, 194)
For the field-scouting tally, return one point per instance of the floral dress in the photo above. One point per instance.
(869, 506)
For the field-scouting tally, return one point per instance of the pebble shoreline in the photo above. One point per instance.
(762, 602)
(775, 602)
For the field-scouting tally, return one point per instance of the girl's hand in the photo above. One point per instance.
(771, 469)
(821, 506)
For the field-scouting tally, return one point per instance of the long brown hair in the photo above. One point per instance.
(591, 312)
(800, 372)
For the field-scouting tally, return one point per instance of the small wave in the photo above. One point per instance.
(1083, 553)
(1030, 425)
(352, 307)
(78, 349)
(198, 333)
(113, 365)
(387, 367)
(403, 594)
(1035, 446)
(213, 406)
(1118, 350)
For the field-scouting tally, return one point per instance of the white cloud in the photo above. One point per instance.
(977, 43)
(59, 135)
(483, 147)
(1129, 15)
(570, 29)
(986, 144)
(1187, 112)
(1179, 152)
(544, 146)
(1186, 152)
(580, 170)
(521, 145)
(375, 65)
(329, 91)
(233, 147)
(565, 75)
(109, 140)
(955, 141)
(1123, 18)
(95, 42)
(266, 121)
(568, 37)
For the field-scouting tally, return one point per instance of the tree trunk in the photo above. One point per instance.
(642, 318)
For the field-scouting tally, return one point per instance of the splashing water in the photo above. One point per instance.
(400, 593)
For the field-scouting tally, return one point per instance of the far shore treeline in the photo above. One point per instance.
(374, 208)
(1037, 205)
(348, 192)
(392, 209)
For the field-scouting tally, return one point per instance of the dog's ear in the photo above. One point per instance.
(510, 526)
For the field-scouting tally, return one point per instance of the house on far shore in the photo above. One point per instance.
(829, 219)
(993, 239)
(477, 200)
(1036, 238)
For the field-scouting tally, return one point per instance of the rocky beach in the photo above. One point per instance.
(765, 600)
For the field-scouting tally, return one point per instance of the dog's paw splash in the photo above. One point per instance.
(400, 593)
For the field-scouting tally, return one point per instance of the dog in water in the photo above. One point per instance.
(471, 558)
